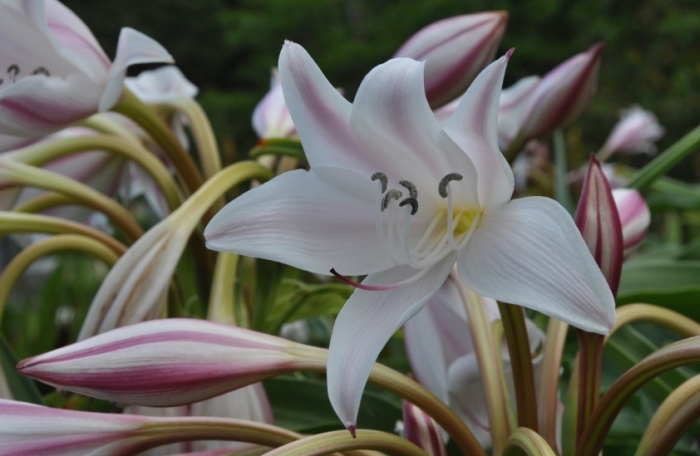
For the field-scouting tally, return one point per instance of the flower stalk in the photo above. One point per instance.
(549, 380)
(331, 442)
(526, 442)
(590, 359)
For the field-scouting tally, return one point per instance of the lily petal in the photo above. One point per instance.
(529, 252)
(599, 222)
(320, 113)
(366, 323)
(634, 217)
(133, 48)
(315, 220)
(511, 109)
(392, 120)
(473, 127)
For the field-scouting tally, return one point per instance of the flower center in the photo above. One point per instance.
(449, 230)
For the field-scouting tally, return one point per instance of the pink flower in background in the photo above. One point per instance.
(57, 72)
(635, 133)
(271, 117)
(422, 430)
(455, 50)
(634, 217)
(534, 107)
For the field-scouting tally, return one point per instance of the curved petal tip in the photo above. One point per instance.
(352, 430)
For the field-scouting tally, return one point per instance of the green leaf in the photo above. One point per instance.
(22, 388)
(302, 405)
(667, 283)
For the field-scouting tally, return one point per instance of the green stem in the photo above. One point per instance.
(12, 222)
(334, 441)
(21, 174)
(666, 318)
(548, 393)
(666, 160)
(490, 366)
(49, 246)
(678, 354)
(221, 299)
(521, 361)
(278, 151)
(42, 153)
(590, 360)
(130, 106)
(525, 441)
(675, 415)
(561, 186)
(46, 200)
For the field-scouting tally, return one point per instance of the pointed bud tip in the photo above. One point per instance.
(353, 431)
(510, 53)
(597, 48)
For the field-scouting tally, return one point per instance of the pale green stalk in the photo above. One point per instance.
(130, 106)
(498, 335)
(515, 331)
(490, 366)
(331, 442)
(548, 393)
(20, 174)
(221, 299)
(12, 222)
(103, 124)
(46, 200)
(675, 415)
(49, 246)
(666, 318)
(42, 153)
(526, 442)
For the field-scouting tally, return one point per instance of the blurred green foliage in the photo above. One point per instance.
(228, 47)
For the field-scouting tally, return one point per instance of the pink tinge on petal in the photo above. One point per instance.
(598, 220)
(634, 217)
(636, 132)
(563, 93)
(421, 429)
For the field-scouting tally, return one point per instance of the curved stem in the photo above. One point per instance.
(21, 174)
(675, 415)
(130, 106)
(527, 442)
(514, 328)
(54, 244)
(678, 354)
(221, 299)
(11, 222)
(42, 153)
(46, 200)
(548, 393)
(667, 318)
(331, 442)
(490, 366)
(201, 131)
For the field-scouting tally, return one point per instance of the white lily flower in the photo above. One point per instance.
(271, 117)
(56, 71)
(635, 132)
(394, 195)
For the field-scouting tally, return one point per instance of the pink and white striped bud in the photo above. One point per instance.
(599, 222)
(169, 362)
(634, 217)
(636, 132)
(271, 118)
(455, 50)
(422, 430)
(534, 107)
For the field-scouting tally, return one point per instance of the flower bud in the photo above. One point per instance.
(169, 362)
(455, 51)
(271, 118)
(534, 107)
(636, 132)
(634, 217)
(422, 430)
(598, 220)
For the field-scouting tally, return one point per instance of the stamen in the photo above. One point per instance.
(392, 286)
(442, 187)
(412, 190)
(393, 193)
(413, 202)
(382, 178)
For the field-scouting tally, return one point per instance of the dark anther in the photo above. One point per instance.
(411, 188)
(413, 202)
(13, 71)
(442, 188)
(41, 70)
(382, 178)
(389, 195)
